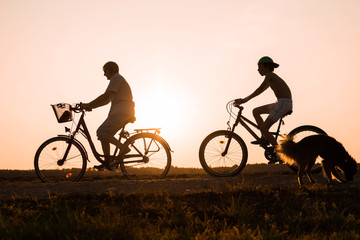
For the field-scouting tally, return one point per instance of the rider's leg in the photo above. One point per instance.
(106, 133)
(105, 147)
(277, 110)
(114, 122)
(106, 140)
(106, 150)
(105, 143)
(258, 111)
(265, 131)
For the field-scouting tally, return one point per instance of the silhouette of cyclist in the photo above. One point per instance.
(276, 110)
(121, 111)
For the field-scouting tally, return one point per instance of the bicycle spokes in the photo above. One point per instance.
(223, 154)
(149, 153)
(56, 161)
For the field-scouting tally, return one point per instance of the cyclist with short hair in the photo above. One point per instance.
(276, 110)
(122, 109)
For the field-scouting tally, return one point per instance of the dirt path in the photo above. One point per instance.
(42, 190)
(26, 183)
(173, 186)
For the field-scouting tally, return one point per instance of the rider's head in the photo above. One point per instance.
(110, 68)
(268, 63)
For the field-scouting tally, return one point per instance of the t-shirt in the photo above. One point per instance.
(123, 95)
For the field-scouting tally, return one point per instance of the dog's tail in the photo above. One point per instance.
(287, 150)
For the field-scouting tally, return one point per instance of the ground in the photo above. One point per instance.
(25, 183)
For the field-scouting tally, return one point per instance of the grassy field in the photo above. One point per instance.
(245, 211)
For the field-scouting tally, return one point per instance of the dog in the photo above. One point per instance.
(305, 152)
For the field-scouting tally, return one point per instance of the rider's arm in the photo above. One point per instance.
(264, 85)
(102, 100)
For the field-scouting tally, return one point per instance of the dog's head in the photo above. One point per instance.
(349, 168)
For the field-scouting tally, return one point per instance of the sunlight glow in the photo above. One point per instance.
(160, 107)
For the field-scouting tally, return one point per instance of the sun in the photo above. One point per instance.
(160, 107)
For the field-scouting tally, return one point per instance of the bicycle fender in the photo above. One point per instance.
(167, 144)
(80, 144)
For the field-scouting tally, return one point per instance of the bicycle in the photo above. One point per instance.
(223, 153)
(64, 158)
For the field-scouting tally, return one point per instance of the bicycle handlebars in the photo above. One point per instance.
(238, 105)
(78, 108)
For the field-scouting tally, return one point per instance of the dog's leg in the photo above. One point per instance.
(308, 169)
(300, 173)
(326, 167)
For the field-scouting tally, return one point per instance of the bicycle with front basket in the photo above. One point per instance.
(64, 158)
(223, 153)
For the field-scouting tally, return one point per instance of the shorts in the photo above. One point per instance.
(279, 109)
(115, 120)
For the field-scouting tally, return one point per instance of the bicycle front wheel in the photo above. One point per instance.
(301, 132)
(149, 157)
(49, 164)
(218, 162)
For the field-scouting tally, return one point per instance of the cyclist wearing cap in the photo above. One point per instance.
(276, 110)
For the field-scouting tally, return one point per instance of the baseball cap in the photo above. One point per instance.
(267, 59)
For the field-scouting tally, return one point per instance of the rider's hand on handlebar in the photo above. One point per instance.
(239, 101)
(85, 106)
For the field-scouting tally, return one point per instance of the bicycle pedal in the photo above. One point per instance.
(262, 142)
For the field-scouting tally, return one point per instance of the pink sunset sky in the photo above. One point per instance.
(184, 61)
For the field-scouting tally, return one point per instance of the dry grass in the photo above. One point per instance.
(244, 211)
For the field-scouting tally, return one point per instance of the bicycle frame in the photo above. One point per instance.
(243, 121)
(82, 128)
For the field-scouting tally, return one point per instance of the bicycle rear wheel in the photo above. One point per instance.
(149, 158)
(213, 158)
(48, 161)
(301, 132)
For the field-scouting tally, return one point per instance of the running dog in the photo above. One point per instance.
(305, 152)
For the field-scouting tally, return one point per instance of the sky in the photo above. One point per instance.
(184, 60)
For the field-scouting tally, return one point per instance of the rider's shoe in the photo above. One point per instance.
(105, 164)
(100, 167)
(262, 141)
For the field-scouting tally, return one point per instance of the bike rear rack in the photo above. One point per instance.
(154, 130)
